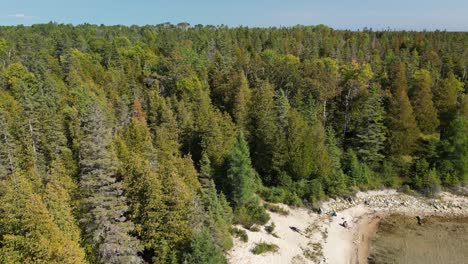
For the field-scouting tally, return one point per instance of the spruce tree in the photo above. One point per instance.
(371, 131)
(240, 173)
(104, 220)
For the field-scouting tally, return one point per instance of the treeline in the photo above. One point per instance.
(145, 144)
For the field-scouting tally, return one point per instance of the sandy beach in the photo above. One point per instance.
(324, 238)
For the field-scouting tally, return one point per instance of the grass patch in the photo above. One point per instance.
(276, 209)
(239, 233)
(263, 247)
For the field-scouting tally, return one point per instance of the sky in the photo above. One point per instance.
(451, 15)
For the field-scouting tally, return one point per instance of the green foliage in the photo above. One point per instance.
(359, 173)
(250, 214)
(240, 233)
(203, 250)
(263, 247)
(421, 99)
(135, 134)
(403, 131)
(240, 173)
(103, 208)
(371, 133)
(27, 229)
(276, 209)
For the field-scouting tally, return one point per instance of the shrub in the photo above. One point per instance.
(203, 250)
(275, 209)
(263, 247)
(250, 214)
(239, 233)
(292, 199)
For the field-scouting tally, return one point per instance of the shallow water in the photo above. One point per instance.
(400, 239)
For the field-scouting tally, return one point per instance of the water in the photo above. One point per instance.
(438, 241)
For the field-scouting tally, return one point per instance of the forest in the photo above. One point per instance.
(146, 144)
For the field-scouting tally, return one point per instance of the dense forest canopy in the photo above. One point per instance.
(145, 144)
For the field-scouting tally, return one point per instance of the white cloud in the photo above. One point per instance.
(20, 16)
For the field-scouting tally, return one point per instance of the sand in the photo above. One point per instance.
(323, 239)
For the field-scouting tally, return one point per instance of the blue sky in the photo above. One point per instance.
(451, 15)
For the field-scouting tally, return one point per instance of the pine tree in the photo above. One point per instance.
(402, 128)
(421, 99)
(104, 221)
(371, 131)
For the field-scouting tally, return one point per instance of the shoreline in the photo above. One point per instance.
(325, 240)
(369, 208)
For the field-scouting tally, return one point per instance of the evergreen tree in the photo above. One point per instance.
(371, 131)
(219, 217)
(104, 221)
(242, 101)
(300, 147)
(58, 198)
(421, 99)
(28, 233)
(358, 173)
(335, 181)
(453, 149)
(204, 251)
(263, 133)
(446, 96)
(402, 128)
(240, 173)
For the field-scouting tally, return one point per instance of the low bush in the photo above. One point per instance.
(250, 214)
(263, 247)
(239, 233)
(276, 209)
